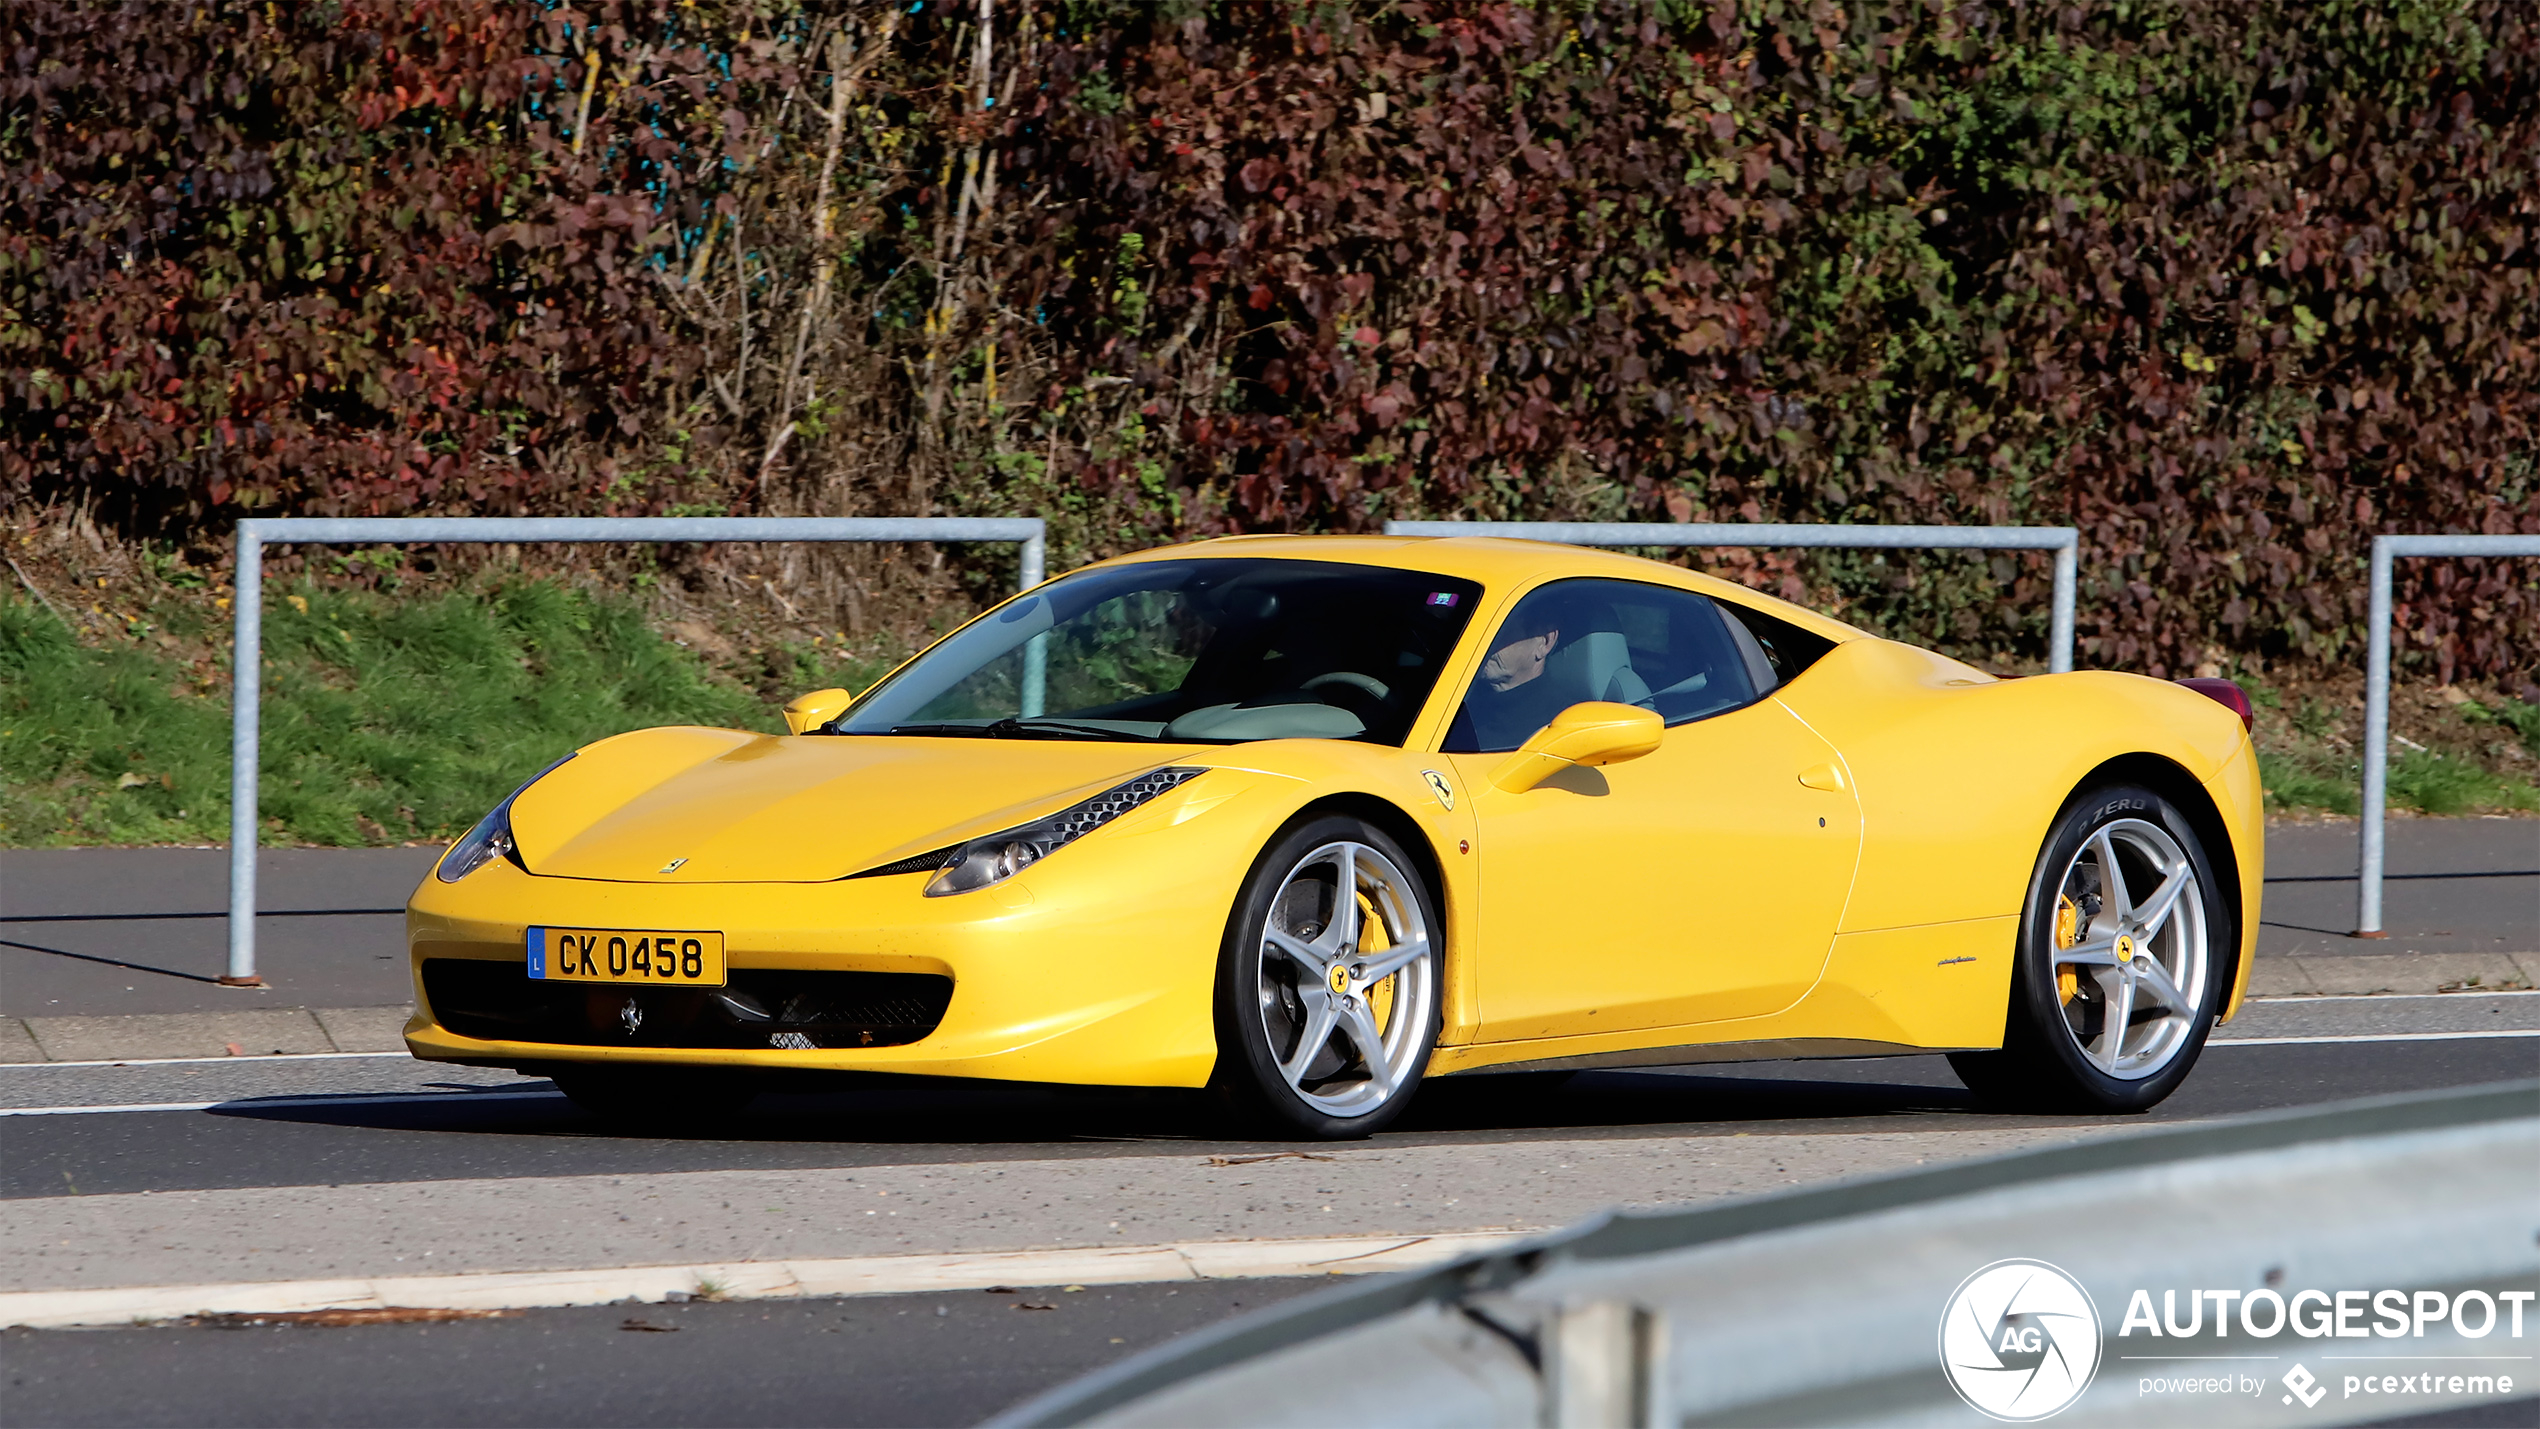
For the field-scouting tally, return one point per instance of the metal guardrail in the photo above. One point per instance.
(2064, 541)
(1822, 1306)
(247, 648)
(2386, 549)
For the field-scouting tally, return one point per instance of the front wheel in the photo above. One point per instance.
(1327, 987)
(2125, 958)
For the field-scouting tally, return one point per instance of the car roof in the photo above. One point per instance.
(1497, 562)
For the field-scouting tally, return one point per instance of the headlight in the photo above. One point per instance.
(1000, 856)
(490, 839)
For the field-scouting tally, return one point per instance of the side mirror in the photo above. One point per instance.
(1597, 732)
(809, 712)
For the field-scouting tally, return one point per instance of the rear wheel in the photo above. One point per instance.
(2124, 961)
(1327, 987)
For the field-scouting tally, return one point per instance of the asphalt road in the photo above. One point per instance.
(419, 1122)
(884, 1360)
(101, 932)
(287, 1168)
(293, 1155)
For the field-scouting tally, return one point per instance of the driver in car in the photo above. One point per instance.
(1510, 698)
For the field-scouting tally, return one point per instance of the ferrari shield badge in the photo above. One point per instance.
(1439, 787)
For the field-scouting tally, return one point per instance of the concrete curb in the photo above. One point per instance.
(2347, 974)
(754, 1280)
(285, 1031)
(255, 1032)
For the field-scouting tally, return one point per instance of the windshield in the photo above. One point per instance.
(1208, 651)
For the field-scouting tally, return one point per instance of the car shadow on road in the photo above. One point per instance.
(881, 1111)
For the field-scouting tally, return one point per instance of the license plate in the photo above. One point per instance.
(626, 955)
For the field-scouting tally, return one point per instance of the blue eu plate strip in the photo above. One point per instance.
(538, 953)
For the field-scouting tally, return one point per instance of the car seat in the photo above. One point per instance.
(1597, 666)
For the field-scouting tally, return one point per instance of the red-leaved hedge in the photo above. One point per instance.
(2229, 287)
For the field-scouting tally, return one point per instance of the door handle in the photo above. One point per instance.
(1828, 777)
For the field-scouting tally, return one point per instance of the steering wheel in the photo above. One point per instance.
(1368, 684)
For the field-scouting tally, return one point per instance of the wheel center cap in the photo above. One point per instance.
(2125, 948)
(1338, 980)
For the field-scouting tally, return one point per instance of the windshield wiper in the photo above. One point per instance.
(1018, 729)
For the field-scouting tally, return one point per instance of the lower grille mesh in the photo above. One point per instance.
(761, 1007)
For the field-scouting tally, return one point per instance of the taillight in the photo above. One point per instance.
(2229, 696)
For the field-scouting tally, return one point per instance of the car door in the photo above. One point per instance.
(1698, 883)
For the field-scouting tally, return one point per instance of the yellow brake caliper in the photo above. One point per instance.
(2067, 933)
(1373, 940)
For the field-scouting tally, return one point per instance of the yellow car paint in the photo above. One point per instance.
(1694, 908)
(805, 713)
(1697, 884)
(1584, 736)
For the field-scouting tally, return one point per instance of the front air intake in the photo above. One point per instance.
(760, 1008)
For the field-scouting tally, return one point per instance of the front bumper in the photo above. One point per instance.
(1097, 967)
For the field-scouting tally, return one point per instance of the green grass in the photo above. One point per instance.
(2294, 781)
(2513, 714)
(389, 718)
(2439, 784)
(2418, 779)
(386, 718)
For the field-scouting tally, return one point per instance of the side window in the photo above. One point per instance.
(1573, 641)
(1786, 648)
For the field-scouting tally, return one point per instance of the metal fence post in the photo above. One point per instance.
(247, 647)
(246, 659)
(1036, 651)
(2059, 633)
(2385, 549)
(2064, 541)
(2376, 744)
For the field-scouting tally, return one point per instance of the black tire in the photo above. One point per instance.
(2060, 1050)
(1254, 1004)
(666, 1099)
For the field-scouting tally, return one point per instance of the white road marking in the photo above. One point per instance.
(260, 1103)
(751, 1280)
(2298, 998)
(253, 1104)
(2373, 1037)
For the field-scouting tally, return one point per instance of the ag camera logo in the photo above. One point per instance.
(2019, 1340)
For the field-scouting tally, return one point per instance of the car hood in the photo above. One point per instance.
(688, 805)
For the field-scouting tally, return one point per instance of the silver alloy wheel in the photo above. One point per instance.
(1347, 982)
(2132, 950)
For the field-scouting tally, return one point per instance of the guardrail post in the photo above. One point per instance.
(246, 676)
(1605, 1367)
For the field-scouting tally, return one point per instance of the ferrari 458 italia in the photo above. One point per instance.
(1310, 819)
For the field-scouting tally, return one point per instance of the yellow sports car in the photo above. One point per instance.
(1309, 819)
